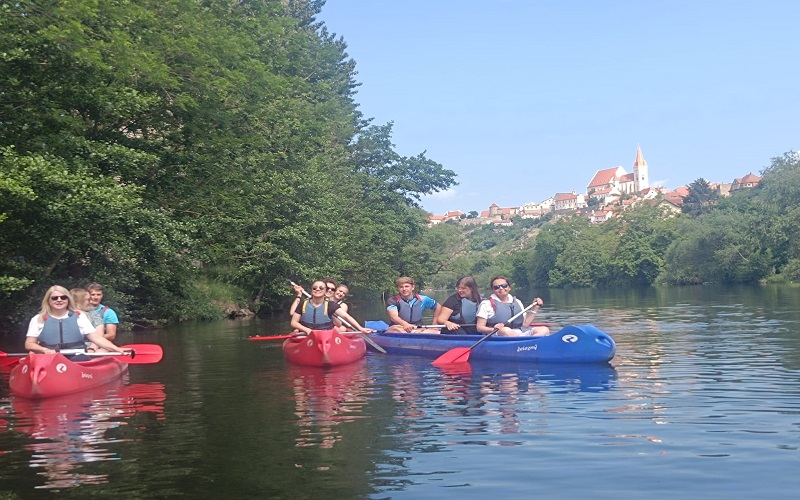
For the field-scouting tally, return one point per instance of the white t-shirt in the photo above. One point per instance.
(486, 311)
(35, 326)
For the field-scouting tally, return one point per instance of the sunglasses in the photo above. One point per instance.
(58, 297)
(318, 288)
(498, 287)
(332, 288)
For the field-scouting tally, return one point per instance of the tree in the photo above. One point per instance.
(700, 199)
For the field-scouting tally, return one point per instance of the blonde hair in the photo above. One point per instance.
(403, 280)
(47, 308)
(81, 298)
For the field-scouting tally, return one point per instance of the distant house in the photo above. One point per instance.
(434, 220)
(670, 205)
(599, 216)
(746, 182)
(530, 214)
(569, 202)
(605, 196)
(504, 213)
(676, 197)
(722, 189)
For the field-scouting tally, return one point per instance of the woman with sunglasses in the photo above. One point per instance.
(58, 326)
(318, 313)
(458, 312)
(501, 307)
(331, 293)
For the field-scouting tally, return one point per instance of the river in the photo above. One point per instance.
(702, 400)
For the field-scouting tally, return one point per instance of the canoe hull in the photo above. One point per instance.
(571, 344)
(40, 376)
(325, 348)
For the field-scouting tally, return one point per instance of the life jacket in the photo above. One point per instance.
(504, 311)
(410, 313)
(96, 317)
(467, 314)
(63, 333)
(315, 317)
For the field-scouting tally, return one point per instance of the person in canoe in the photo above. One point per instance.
(458, 313)
(405, 309)
(110, 319)
(502, 306)
(341, 292)
(58, 326)
(80, 298)
(333, 292)
(318, 313)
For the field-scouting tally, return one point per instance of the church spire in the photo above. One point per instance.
(641, 181)
(639, 161)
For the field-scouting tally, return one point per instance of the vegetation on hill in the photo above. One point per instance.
(747, 237)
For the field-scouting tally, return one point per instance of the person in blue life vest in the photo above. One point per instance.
(501, 306)
(405, 309)
(318, 313)
(58, 326)
(110, 319)
(458, 313)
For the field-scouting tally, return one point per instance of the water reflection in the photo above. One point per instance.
(326, 398)
(494, 400)
(70, 431)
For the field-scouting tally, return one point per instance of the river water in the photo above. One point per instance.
(701, 401)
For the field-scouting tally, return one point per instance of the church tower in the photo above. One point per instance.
(641, 181)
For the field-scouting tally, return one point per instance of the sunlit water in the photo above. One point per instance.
(701, 401)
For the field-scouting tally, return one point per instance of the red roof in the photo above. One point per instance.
(604, 177)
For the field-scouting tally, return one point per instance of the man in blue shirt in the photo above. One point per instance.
(110, 319)
(405, 309)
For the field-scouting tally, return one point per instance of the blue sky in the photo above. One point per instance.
(526, 98)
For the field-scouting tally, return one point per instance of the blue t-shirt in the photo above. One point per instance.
(109, 316)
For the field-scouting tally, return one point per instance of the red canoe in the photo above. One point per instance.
(325, 348)
(46, 375)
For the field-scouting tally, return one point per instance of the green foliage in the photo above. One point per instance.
(149, 145)
(701, 198)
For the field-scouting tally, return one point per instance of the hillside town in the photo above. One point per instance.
(608, 193)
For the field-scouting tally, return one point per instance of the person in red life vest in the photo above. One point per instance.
(501, 306)
(59, 327)
(110, 319)
(317, 313)
(405, 309)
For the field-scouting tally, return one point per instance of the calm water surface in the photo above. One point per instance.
(701, 401)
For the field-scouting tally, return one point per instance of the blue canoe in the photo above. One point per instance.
(571, 344)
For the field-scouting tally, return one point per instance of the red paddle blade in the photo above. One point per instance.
(6, 360)
(144, 354)
(455, 355)
(271, 337)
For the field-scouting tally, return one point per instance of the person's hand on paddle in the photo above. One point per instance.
(366, 330)
(299, 290)
(451, 326)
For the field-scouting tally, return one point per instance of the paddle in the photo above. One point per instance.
(288, 336)
(273, 337)
(461, 354)
(137, 354)
(363, 335)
